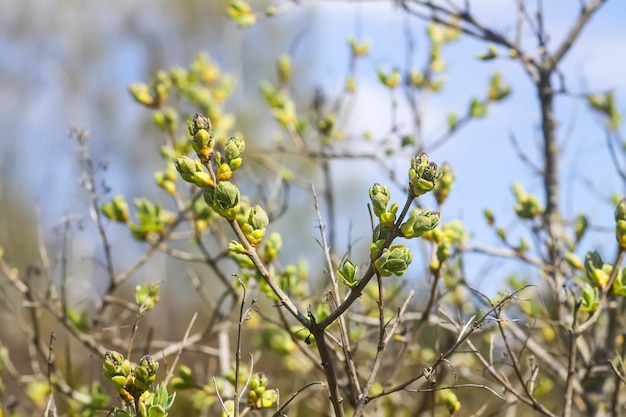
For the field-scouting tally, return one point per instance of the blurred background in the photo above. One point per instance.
(66, 64)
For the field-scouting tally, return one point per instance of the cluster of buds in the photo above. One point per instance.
(202, 140)
(423, 175)
(232, 159)
(497, 89)
(527, 206)
(166, 119)
(130, 383)
(147, 296)
(394, 260)
(259, 397)
(240, 12)
(605, 104)
(184, 379)
(390, 80)
(166, 180)
(224, 199)
(116, 210)
(255, 225)
(154, 97)
(357, 48)
(152, 219)
(157, 403)
(380, 197)
(444, 185)
(272, 246)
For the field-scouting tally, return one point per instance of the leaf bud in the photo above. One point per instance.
(423, 174)
(419, 222)
(393, 261)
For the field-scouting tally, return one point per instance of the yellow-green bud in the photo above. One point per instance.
(444, 185)
(380, 197)
(283, 66)
(423, 174)
(224, 199)
(141, 94)
(596, 270)
(348, 273)
(116, 209)
(419, 222)
(394, 260)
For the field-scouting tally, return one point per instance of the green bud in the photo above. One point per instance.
(390, 80)
(198, 123)
(580, 226)
(444, 250)
(388, 218)
(187, 168)
(489, 217)
(596, 270)
(358, 49)
(164, 182)
(350, 84)
(269, 398)
(419, 222)
(605, 104)
(224, 173)
(191, 170)
(233, 152)
(619, 285)
(492, 53)
(202, 139)
(145, 372)
(573, 260)
(416, 79)
(347, 273)
(112, 364)
(236, 247)
(527, 206)
(497, 89)
(184, 379)
(259, 380)
(423, 174)
(380, 197)
(224, 199)
(444, 185)
(478, 109)
(255, 225)
(454, 231)
(591, 299)
(393, 261)
(141, 94)
(147, 296)
(284, 69)
(258, 218)
(273, 245)
(116, 209)
(451, 402)
(620, 219)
